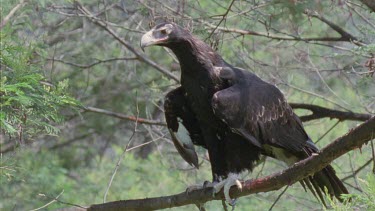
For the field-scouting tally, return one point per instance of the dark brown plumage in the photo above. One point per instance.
(232, 113)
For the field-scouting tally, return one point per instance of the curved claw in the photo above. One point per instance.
(231, 180)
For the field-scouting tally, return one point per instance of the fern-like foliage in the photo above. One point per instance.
(29, 104)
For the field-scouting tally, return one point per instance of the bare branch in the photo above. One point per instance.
(125, 43)
(124, 117)
(49, 203)
(345, 36)
(222, 18)
(85, 66)
(122, 156)
(321, 112)
(357, 171)
(12, 12)
(354, 139)
(276, 37)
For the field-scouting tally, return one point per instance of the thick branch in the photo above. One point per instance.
(352, 140)
(321, 112)
(125, 117)
(345, 36)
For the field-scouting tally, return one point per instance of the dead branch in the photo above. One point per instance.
(357, 171)
(12, 12)
(354, 139)
(86, 13)
(345, 36)
(124, 117)
(274, 36)
(86, 66)
(319, 112)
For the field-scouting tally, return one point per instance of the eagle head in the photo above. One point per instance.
(163, 34)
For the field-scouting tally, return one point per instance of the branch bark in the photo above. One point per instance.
(319, 112)
(354, 139)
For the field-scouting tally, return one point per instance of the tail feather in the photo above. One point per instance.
(307, 182)
(326, 178)
(318, 189)
(337, 187)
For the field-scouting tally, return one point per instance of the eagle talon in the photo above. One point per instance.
(226, 184)
(233, 203)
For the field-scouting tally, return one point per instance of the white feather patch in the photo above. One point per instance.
(182, 134)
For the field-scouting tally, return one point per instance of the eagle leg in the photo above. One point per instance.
(231, 180)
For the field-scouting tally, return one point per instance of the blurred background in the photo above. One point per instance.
(82, 106)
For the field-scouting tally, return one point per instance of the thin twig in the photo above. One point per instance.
(316, 95)
(329, 130)
(86, 13)
(358, 170)
(222, 19)
(77, 207)
(122, 155)
(12, 12)
(278, 198)
(86, 66)
(49, 203)
(344, 34)
(124, 117)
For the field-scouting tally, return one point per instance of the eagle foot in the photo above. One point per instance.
(231, 180)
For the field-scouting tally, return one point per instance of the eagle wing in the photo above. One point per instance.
(182, 126)
(258, 111)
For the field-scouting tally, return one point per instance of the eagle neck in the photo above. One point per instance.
(195, 56)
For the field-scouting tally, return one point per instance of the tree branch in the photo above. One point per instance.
(354, 139)
(124, 117)
(86, 66)
(345, 36)
(321, 112)
(12, 12)
(125, 43)
(273, 36)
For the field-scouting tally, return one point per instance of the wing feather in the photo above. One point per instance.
(182, 126)
(259, 112)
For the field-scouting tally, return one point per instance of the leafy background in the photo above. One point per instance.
(56, 64)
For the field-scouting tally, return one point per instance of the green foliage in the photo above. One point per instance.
(43, 51)
(358, 201)
(29, 104)
(44, 175)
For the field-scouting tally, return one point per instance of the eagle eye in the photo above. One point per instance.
(163, 31)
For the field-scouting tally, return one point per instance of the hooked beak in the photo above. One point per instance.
(147, 40)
